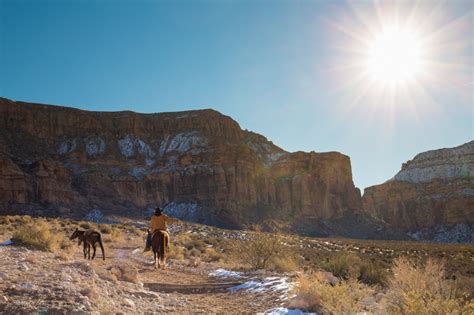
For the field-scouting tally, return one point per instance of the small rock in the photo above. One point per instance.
(23, 267)
(4, 299)
(129, 302)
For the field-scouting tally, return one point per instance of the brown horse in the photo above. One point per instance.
(89, 238)
(160, 245)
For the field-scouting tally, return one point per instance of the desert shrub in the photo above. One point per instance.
(85, 225)
(196, 244)
(176, 251)
(211, 255)
(4, 220)
(105, 229)
(194, 252)
(314, 293)
(261, 250)
(372, 274)
(343, 265)
(22, 219)
(424, 289)
(39, 235)
(285, 263)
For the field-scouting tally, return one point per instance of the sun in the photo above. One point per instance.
(394, 56)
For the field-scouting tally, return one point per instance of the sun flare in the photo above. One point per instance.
(394, 56)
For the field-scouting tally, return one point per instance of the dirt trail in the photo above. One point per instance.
(125, 282)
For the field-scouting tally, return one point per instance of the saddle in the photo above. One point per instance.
(156, 231)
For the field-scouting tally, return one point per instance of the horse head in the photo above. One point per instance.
(75, 234)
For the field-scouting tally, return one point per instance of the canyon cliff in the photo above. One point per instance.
(435, 188)
(200, 165)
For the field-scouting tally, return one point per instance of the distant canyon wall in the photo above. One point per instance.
(435, 188)
(200, 164)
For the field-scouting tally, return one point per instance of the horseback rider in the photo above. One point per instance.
(158, 221)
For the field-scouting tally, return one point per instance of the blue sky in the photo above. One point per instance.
(269, 65)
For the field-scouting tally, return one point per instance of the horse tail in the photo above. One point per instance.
(101, 247)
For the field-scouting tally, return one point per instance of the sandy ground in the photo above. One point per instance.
(126, 282)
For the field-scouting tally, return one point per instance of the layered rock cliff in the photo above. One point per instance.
(434, 189)
(199, 164)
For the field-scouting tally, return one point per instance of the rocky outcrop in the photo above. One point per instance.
(199, 164)
(435, 188)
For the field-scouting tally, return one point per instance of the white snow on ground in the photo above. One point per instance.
(95, 146)
(268, 284)
(130, 145)
(223, 273)
(279, 285)
(182, 142)
(459, 233)
(6, 243)
(286, 311)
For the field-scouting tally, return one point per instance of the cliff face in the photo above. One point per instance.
(200, 164)
(435, 188)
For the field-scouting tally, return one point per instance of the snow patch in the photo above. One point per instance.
(268, 284)
(67, 146)
(96, 216)
(459, 233)
(286, 311)
(139, 172)
(182, 211)
(95, 146)
(6, 243)
(223, 273)
(130, 145)
(183, 142)
(279, 285)
(149, 162)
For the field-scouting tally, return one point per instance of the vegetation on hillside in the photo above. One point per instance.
(334, 275)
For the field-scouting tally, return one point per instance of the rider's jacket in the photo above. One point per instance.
(158, 222)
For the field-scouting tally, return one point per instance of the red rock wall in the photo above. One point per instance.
(61, 158)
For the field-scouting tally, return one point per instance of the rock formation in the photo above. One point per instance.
(199, 164)
(435, 188)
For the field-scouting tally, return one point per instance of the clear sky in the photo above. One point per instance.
(294, 71)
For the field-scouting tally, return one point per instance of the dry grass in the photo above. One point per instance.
(261, 250)
(37, 234)
(424, 289)
(351, 266)
(343, 265)
(315, 293)
(413, 288)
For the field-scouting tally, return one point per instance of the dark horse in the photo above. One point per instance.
(89, 238)
(160, 245)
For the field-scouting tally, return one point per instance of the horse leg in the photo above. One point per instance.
(84, 250)
(94, 248)
(156, 259)
(88, 251)
(164, 252)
